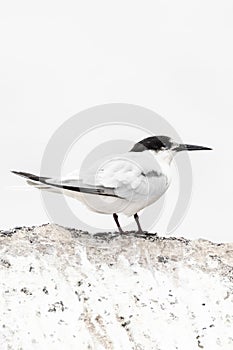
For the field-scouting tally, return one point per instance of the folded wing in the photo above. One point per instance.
(69, 185)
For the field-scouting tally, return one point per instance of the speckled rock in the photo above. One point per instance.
(65, 289)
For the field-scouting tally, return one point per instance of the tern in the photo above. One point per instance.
(125, 183)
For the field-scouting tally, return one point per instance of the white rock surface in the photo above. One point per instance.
(65, 289)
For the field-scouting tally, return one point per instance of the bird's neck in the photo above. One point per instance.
(163, 156)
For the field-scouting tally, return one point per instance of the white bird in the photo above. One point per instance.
(125, 183)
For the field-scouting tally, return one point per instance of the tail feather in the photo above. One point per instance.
(38, 185)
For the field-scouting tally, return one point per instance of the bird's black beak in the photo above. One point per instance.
(184, 147)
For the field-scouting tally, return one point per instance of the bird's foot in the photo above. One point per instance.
(142, 232)
(146, 234)
(121, 232)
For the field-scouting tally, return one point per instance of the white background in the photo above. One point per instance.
(174, 57)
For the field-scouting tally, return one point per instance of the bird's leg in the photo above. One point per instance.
(136, 217)
(115, 216)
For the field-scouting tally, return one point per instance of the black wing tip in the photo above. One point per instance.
(26, 175)
(18, 173)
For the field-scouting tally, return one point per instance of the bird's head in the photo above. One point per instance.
(159, 144)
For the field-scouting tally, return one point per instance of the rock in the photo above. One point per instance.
(67, 289)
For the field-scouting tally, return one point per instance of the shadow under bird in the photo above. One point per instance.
(125, 183)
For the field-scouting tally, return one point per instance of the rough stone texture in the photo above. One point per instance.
(66, 289)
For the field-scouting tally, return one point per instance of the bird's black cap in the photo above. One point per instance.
(155, 143)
